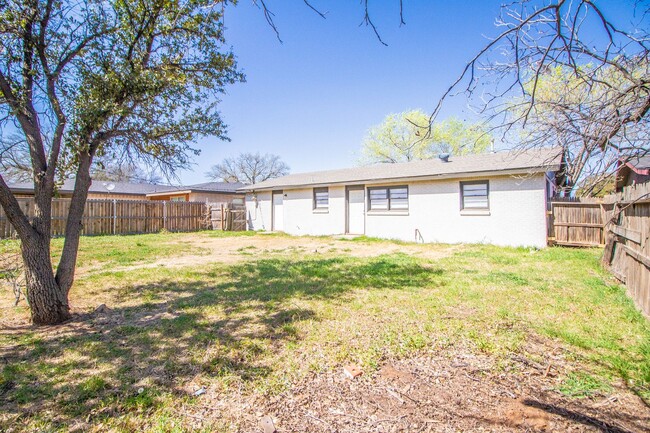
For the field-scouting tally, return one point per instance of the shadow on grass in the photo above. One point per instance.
(226, 323)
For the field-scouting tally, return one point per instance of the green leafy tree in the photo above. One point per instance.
(407, 136)
(87, 79)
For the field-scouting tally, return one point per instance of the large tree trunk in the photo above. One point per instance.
(47, 293)
(68, 263)
(48, 302)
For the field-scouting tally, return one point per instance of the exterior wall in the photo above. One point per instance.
(258, 211)
(168, 197)
(215, 197)
(109, 196)
(635, 178)
(517, 215)
(300, 217)
(211, 197)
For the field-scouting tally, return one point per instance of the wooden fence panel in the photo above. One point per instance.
(627, 236)
(575, 222)
(228, 217)
(105, 217)
(620, 222)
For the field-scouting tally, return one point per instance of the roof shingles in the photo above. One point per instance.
(531, 161)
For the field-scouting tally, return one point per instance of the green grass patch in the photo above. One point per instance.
(257, 325)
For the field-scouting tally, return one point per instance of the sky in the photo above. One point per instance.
(311, 98)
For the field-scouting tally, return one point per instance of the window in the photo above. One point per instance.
(178, 198)
(474, 195)
(321, 198)
(389, 198)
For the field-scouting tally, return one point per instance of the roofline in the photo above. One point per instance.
(175, 191)
(70, 191)
(530, 170)
(189, 191)
(640, 171)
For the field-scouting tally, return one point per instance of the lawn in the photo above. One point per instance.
(263, 324)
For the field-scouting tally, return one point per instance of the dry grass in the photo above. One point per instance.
(251, 318)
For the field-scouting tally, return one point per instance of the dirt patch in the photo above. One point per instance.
(459, 392)
(237, 249)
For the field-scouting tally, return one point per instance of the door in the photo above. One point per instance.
(278, 211)
(356, 204)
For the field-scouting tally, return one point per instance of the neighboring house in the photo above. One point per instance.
(214, 192)
(497, 198)
(636, 170)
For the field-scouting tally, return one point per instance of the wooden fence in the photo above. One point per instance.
(111, 217)
(627, 241)
(576, 222)
(621, 223)
(228, 217)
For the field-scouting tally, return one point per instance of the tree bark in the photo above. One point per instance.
(68, 262)
(48, 302)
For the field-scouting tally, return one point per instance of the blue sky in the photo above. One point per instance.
(312, 98)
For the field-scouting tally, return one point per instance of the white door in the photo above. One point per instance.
(356, 210)
(278, 212)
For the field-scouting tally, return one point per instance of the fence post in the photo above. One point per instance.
(114, 216)
(165, 215)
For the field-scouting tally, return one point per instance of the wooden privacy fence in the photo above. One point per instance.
(113, 217)
(621, 223)
(228, 217)
(576, 222)
(627, 241)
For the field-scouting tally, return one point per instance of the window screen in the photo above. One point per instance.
(321, 198)
(475, 195)
(388, 198)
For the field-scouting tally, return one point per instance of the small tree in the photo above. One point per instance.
(248, 168)
(86, 79)
(407, 136)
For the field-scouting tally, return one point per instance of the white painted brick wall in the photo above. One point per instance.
(517, 214)
(301, 219)
(258, 211)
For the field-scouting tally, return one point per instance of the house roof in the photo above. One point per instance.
(219, 187)
(128, 188)
(639, 164)
(511, 162)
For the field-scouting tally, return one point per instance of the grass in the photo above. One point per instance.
(266, 321)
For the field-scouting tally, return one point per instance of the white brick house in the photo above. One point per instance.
(497, 198)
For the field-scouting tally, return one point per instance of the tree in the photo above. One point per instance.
(126, 171)
(14, 160)
(407, 136)
(573, 114)
(248, 168)
(84, 79)
(603, 93)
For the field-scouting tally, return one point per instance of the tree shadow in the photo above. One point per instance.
(226, 324)
(583, 418)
